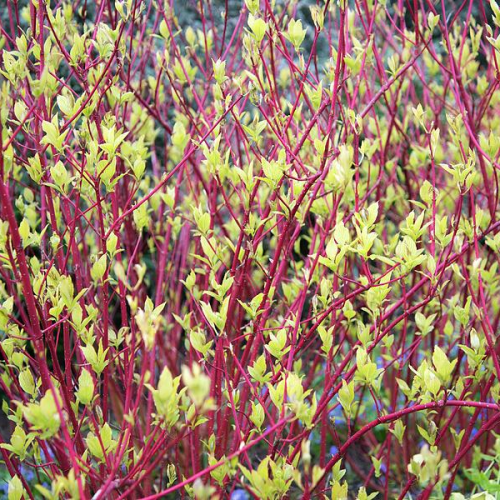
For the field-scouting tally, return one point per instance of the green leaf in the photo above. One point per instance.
(257, 416)
(44, 416)
(16, 489)
(85, 391)
(443, 366)
(346, 396)
(258, 27)
(27, 382)
(99, 267)
(96, 359)
(258, 370)
(104, 444)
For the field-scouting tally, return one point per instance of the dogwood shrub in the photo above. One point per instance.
(249, 249)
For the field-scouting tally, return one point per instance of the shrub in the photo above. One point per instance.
(249, 250)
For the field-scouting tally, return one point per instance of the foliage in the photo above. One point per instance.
(249, 250)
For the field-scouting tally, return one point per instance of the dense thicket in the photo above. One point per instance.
(249, 250)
